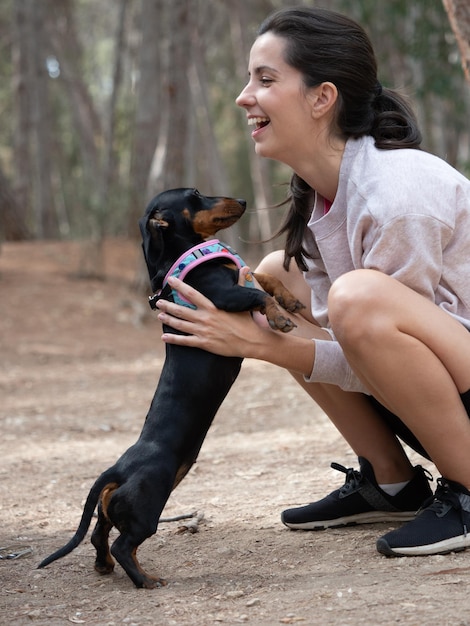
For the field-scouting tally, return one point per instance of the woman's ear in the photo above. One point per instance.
(322, 99)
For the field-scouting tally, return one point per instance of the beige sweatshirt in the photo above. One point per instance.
(403, 212)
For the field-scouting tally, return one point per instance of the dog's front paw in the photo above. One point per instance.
(276, 318)
(282, 323)
(152, 582)
(282, 295)
(289, 302)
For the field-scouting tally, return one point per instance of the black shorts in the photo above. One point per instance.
(402, 431)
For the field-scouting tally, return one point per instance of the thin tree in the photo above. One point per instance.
(262, 185)
(33, 144)
(22, 158)
(147, 106)
(168, 166)
(12, 225)
(68, 49)
(459, 18)
(43, 199)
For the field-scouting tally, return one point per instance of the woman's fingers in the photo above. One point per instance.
(191, 294)
(202, 326)
(242, 275)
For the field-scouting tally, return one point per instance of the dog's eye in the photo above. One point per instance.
(196, 192)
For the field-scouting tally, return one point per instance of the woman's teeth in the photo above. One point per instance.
(259, 122)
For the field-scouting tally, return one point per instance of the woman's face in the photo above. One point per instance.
(277, 103)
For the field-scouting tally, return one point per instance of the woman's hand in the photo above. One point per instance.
(209, 328)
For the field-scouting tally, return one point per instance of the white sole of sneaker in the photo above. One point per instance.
(454, 544)
(371, 517)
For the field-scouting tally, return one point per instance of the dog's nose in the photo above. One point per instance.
(242, 202)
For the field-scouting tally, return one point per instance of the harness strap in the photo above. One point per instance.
(202, 252)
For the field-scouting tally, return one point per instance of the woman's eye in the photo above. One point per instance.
(265, 81)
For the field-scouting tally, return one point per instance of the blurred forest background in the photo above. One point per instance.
(105, 103)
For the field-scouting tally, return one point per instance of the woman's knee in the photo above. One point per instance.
(354, 301)
(272, 263)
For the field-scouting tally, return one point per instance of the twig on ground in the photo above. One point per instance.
(192, 525)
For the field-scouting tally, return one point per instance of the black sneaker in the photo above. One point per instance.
(361, 501)
(440, 528)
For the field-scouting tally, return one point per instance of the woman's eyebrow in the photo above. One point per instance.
(264, 68)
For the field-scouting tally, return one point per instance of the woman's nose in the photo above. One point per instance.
(245, 98)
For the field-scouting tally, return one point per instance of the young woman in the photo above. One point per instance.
(378, 241)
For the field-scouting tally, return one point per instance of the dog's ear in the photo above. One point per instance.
(151, 229)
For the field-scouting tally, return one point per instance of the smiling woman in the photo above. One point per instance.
(384, 348)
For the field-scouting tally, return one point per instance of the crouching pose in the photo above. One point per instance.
(378, 241)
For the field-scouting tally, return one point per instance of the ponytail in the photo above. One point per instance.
(394, 125)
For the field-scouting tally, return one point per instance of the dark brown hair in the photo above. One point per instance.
(325, 46)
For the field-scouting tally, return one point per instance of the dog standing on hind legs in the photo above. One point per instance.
(176, 229)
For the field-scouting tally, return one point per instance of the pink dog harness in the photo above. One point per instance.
(205, 251)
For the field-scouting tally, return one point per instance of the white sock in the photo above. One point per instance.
(393, 488)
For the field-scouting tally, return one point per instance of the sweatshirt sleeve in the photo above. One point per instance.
(330, 366)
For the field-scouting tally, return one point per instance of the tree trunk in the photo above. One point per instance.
(110, 156)
(214, 170)
(92, 251)
(43, 199)
(168, 167)
(33, 132)
(459, 17)
(148, 106)
(261, 227)
(67, 47)
(22, 122)
(12, 224)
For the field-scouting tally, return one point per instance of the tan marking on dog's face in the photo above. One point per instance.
(222, 215)
(156, 222)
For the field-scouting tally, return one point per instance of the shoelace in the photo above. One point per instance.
(353, 477)
(445, 496)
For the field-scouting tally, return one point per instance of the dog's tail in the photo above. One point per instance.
(90, 505)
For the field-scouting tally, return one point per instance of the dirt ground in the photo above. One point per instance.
(78, 367)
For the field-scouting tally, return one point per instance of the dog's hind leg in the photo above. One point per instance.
(124, 550)
(104, 563)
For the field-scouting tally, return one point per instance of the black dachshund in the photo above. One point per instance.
(193, 383)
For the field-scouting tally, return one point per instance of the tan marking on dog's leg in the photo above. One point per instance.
(104, 563)
(149, 581)
(275, 288)
(181, 473)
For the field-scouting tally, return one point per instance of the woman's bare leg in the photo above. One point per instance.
(415, 359)
(365, 431)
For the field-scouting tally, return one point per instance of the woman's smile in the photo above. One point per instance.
(259, 123)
